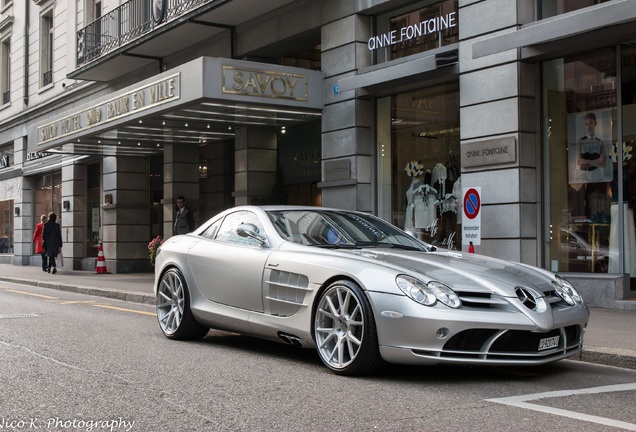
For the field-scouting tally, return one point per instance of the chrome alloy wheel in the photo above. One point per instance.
(170, 302)
(339, 326)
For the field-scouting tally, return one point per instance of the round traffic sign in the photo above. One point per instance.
(472, 203)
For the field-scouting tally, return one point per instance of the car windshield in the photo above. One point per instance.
(340, 229)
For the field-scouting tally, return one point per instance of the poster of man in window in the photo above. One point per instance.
(589, 138)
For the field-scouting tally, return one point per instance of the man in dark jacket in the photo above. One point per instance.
(51, 241)
(184, 220)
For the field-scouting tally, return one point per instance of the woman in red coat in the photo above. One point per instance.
(37, 239)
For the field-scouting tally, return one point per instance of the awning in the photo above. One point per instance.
(430, 68)
(201, 101)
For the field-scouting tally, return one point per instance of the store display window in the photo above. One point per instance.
(585, 162)
(420, 184)
(47, 195)
(6, 227)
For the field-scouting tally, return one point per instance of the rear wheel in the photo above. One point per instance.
(173, 308)
(345, 332)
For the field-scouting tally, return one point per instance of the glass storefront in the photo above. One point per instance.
(586, 201)
(419, 172)
(6, 227)
(47, 195)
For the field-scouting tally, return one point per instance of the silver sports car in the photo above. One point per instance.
(361, 292)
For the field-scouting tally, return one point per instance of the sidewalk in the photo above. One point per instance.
(610, 337)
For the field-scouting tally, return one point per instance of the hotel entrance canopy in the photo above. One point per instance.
(204, 100)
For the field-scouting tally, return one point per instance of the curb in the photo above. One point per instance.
(131, 296)
(608, 356)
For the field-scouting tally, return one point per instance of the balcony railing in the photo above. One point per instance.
(47, 78)
(125, 24)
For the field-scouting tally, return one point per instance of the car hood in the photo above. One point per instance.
(466, 272)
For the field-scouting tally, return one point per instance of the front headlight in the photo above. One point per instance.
(566, 291)
(428, 294)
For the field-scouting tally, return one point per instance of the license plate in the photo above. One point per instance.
(547, 343)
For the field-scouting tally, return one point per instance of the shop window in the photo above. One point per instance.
(625, 164)
(580, 96)
(6, 227)
(550, 8)
(415, 29)
(419, 158)
(47, 195)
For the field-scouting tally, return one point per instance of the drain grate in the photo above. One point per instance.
(22, 315)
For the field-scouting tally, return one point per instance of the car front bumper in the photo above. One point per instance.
(410, 333)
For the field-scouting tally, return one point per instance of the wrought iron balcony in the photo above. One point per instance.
(128, 22)
(47, 78)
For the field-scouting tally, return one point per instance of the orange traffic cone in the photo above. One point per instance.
(100, 268)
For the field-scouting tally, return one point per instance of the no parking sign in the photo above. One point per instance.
(471, 217)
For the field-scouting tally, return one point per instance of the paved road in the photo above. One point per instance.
(76, 359)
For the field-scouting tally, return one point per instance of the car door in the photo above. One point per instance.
(228, 269)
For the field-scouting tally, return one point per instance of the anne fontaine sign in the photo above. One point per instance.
(429, 26)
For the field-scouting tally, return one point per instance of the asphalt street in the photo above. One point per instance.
(610, 337)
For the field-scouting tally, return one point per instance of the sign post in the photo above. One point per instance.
(471, 218)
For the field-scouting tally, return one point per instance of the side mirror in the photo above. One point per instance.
(248, 230)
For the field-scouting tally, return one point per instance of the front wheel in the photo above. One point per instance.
(345, 332)
(173, 308)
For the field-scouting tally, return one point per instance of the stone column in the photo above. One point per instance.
(24, 224)
(73, 218)
(126, 219)
(254, 165)
(180, 177)
(347, 140)
(499, 103)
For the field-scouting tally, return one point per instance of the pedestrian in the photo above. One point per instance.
(183, 221)
(52, 241)
(37, 239)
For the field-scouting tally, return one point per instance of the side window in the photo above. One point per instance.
(227, 231)
(211, 231)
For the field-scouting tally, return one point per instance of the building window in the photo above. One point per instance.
(419, 163)
(550, 8)
(46, 49)
(5, 71)
(580, 108)
(414, 30)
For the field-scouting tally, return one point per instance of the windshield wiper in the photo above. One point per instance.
(388, 245)
(335, 246)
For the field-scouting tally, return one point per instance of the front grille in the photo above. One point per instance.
(492, 344)
(520, 341)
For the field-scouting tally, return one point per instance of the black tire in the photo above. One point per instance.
(173, 308)
(345, 332)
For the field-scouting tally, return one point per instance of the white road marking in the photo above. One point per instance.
(522, 402)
